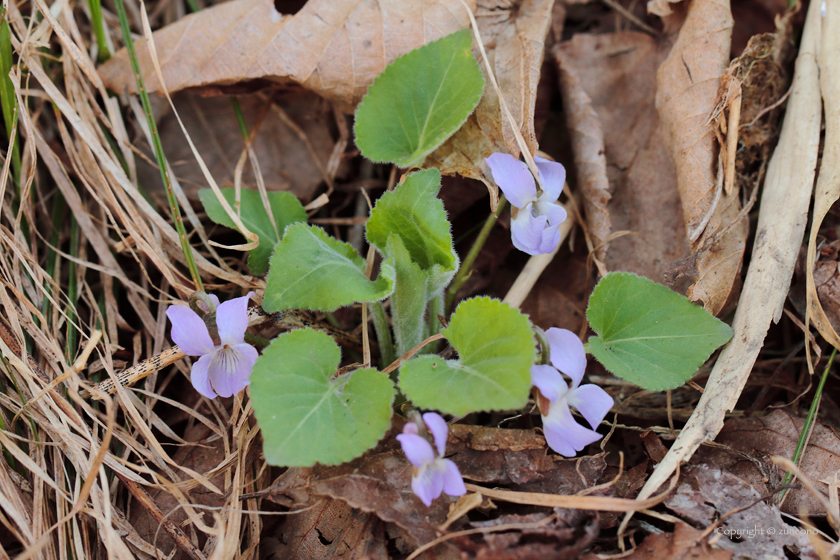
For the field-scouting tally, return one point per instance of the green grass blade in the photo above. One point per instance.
(99, 29)
(158, 147)
(7, 93)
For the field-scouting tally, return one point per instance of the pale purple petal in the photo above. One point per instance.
(200, 376)
(231, 368)
(563, 434)
(552, 177)
(555, 213)
(550, 239)
(232, 319)
(417, 449)
(526, 232)
(439, 429)
(453, 484)
(592, 402)
(555, 437)
(189, 331)
(567, 353)
(215, 299)
(549, 381)
(410, 428)
(513, 178)
(428, 484)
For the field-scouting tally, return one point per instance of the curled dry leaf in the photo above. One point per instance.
(513, 34)
(687, 87)
(708, 492)
(337, 48)
(334, 48)
(827, 189)
(617, 72)
(590, 162)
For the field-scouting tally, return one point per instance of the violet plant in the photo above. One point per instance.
(310, 411)
(433, 474)
(226, 360)
(554, 395)
(535, 219)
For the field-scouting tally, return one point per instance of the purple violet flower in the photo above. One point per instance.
(223, 369)
(432, 473)
(562, 432)
(533, 228)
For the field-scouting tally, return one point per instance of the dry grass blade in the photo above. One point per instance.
(599, 503)
(75, 476)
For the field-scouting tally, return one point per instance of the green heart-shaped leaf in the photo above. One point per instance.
(305, 414)
(496, 349)
(649, 335)
(311, 270)
(419, 101)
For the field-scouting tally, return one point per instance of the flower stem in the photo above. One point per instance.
(436, 311)
(545, 356)
(256, 340)
(465, 270)
(158, 147)
(383, 333)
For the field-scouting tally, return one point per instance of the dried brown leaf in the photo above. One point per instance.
(777, 434)
(682, 544)
(331, 529)
(285, 161)
(380, 482)
(589, 154)
(687, 89)
(335, 48)
(519, 459)
(708, 492)
(618, 73)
